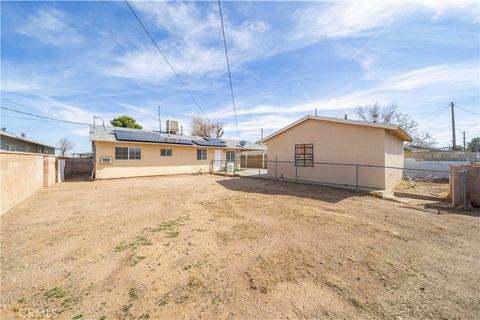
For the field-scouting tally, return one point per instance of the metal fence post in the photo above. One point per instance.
(356, 178)
(275, 167)
(296, 172)
(464, 183)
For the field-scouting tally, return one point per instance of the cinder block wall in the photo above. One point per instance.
(22, 174)
(441, 155)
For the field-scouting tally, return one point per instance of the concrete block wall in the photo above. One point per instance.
(441, 156)
(22, 174)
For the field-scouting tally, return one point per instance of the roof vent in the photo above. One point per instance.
(375, 118)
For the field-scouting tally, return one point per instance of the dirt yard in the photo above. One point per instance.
(233, 248)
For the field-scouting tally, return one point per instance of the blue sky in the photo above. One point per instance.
(74, 60)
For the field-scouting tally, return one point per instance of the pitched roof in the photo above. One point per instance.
(107, 134)
(398, 131)
(14, 136)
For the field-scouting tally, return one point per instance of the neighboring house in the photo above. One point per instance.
(125, 152)
(12, 142)
(310, 146)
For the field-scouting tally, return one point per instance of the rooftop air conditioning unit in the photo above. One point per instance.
(172, 126)
(106, 160)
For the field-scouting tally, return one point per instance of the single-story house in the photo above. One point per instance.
(20, 143)
(327, 150)
(125, 152)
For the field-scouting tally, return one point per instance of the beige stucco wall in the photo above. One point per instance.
(334, 143)
(393, 158)
(183, 160)
(22, 174)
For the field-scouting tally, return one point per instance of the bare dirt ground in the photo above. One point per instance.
(423, 189)
(233, 248)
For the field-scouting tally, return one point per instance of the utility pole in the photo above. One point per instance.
(454, 141)
(464, 144)
(315, 112)
(261, 134)
(159, 120)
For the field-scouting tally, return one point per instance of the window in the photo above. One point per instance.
(201, 154)
(10, 147)
(134, 153)
(230, 156)
(165, 152)
(126, 153)
(304, 155)
(121, 153)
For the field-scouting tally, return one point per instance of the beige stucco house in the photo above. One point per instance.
(327, 150)
(125, 152)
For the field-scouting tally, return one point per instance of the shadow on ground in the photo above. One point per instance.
(78, 178)
(287, 188)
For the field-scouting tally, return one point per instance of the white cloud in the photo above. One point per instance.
(466, 76)
(359, 18)
(48, 25)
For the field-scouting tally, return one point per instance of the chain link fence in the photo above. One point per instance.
(422, 184)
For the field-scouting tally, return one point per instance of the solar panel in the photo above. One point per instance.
(215, 140)
(206, 143)
(139, 136)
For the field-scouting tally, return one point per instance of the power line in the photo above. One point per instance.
(45, 117)
(435, 116)
(165, 58)
(24, 106)
(431, 113)
(228, 67)
(477, 114)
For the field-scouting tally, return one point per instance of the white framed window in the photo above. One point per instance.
(201, 154)
(165, 152)
(128, 153)
(230, 156)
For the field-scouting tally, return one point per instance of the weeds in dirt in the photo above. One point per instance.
(164, 300)
(172, 233)
(133, 260)
(195, 283)
(126, 308)
(133, 294)
(187, 267)
(22, 300)
(103, 318)
(138, 242)
(144, 316)
(55, 293)
(78, 316)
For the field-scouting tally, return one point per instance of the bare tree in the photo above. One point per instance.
(64, 145)
(389, 114)
(205, 127)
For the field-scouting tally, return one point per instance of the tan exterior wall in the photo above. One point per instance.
(336, 143)
(183, 160)
(394, 156)
(22, 174)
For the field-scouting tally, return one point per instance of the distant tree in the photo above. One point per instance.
(125, 122)
(65, 145)
(389, 114)
(205, 127)
(474, 145)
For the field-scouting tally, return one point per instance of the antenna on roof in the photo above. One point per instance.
(315, 112)
(261, 134)
(159, 120)
(103, 123)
